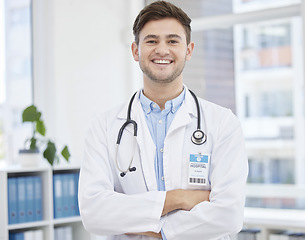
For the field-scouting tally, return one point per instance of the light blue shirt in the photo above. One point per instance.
(158, 124)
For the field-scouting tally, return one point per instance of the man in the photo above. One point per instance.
(163, 185)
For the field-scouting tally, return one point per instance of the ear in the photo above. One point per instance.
(135, 51)
(189, 51)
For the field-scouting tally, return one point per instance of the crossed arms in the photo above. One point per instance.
(179, 199)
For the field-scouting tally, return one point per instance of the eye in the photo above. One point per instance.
(173, 41)
(151, 41)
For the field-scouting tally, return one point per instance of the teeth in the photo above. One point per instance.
(162, 61)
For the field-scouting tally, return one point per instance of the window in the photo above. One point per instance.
(266, 46)
(16, 75)
(254, 67)
(269, 77)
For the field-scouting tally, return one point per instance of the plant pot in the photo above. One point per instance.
(29, 158)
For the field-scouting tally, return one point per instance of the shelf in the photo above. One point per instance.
(28, 225)
(17, 168)
(66, 220)
(48, 224)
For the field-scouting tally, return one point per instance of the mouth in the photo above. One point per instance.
(162, 61)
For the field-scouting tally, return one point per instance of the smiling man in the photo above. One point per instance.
(176, 167)
(162, 48)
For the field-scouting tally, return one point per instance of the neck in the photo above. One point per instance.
(160, 93)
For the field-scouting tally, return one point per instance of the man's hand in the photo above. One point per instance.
(193, 197)
(184, 199)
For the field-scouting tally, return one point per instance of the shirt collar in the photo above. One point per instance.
(171, 105)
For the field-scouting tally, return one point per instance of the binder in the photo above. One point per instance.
(65, 195)
(59, 233)
(11, 236)
(57, 195)
(29, 199)
(19, 236)
(76, 178)
(38, 234)
(12, 200)
(38, 198)
(72, 194)
(21, 199)
(29, 235)
(56, 237)
(68, 233)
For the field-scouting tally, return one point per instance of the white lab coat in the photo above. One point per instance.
(112, 205)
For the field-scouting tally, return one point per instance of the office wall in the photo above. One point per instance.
(82, 63)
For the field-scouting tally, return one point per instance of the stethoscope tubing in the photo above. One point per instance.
(198, 109)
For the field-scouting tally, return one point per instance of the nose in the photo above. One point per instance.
(162, 49)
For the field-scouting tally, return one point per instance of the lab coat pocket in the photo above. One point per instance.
(132, 182)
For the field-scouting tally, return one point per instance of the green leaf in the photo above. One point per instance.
(33, 143)
(65, 153)
(30, 114)
(50, 152)
(40, 127)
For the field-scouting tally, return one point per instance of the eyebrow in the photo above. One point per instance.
(152, 36)
(174, 36)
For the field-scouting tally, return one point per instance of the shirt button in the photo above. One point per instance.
(161, 150)
(162, 178)
(154, 105)
(160, 121)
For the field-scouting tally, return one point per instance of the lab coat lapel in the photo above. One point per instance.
(146, 146)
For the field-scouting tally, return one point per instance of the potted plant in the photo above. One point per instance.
(31, 114)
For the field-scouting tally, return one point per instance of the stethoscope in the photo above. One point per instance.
(198, 137)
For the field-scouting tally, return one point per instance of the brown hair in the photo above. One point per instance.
(159, 10)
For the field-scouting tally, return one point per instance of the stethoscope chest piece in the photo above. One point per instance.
(198, 137)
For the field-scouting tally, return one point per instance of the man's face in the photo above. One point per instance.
(162, 50)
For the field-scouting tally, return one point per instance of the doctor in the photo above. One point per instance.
(172, 182)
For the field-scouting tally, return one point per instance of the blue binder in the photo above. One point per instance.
(57, 196)
(76, 177)
(19, 236)
(16, 236)
(65, 195)
(11, 236)
(12, 200)
(38, 198)
(21, 199)
(29, 199)
(72, 194)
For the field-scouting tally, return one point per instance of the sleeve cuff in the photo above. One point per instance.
(162, 219)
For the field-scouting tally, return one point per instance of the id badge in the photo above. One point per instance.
(198, 169)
